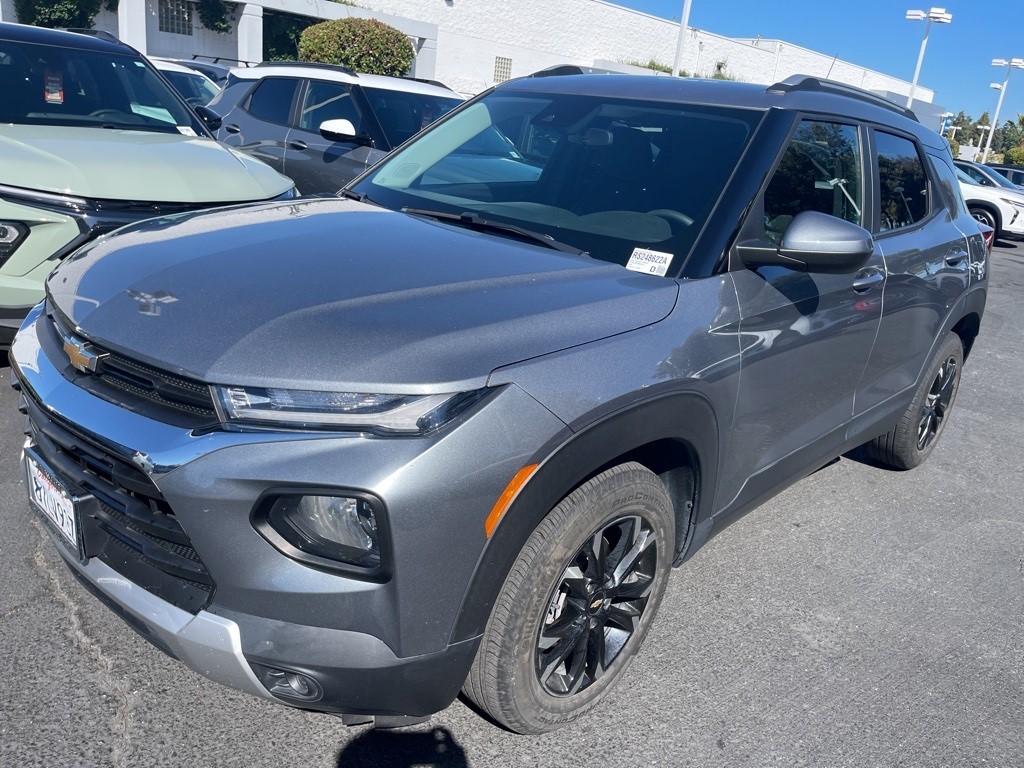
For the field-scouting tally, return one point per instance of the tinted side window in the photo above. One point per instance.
(327, 101)
(821, 171)
(272, 99)
(904, 185)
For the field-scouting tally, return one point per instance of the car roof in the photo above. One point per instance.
(340, 75)
(23, 33)
(166, 65)
(799, 93)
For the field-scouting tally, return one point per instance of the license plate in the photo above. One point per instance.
(52, 499)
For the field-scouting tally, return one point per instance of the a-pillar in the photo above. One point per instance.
(250, 33)
(131, 23)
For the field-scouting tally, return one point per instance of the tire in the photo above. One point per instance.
(985, 216)
(626, 504)
(911, 441)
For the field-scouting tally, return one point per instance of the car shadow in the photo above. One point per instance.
(435, 748)
(1006, 245)
(860, 455)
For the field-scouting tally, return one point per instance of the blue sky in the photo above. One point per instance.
(875, 34)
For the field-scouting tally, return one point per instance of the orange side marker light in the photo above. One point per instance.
(505, 500)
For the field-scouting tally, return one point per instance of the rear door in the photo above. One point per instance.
(319, 164)
(927, 263)
(259, 125)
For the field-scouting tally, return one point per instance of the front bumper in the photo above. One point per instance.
(373, 648)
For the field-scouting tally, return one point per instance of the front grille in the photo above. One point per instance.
(125, 520)
(134, 385)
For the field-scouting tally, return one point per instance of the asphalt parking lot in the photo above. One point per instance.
(863, 617)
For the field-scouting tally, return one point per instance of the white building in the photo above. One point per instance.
(472, 44)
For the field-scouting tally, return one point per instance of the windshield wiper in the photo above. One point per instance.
(473, 221)
(359, 197)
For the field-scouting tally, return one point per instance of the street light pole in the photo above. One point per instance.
(684, 20)
(939, 16)
(1010, 65)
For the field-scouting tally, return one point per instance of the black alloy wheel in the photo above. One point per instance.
(597, 606)
(937, 403)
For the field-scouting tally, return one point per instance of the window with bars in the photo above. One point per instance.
(175, 16)
(502, 69)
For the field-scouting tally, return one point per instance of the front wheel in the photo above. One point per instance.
(911, 441)
(577, 604)
(985, 216)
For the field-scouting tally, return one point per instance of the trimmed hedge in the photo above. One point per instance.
(365, 45)
(1014, 156)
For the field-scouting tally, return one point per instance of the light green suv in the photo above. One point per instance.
(92, 138)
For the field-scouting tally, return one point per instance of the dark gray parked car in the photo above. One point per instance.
(323, 125)
(356, 455)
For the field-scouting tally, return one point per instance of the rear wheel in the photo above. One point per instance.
(577, 604)
(911, 441)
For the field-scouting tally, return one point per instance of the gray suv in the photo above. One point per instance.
(452, 431)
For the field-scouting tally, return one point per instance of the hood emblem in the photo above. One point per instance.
(81, 356)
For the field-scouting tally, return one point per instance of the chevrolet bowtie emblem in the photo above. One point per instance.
(81, 357)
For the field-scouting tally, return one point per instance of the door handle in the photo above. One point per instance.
(953, 259)
(232, 128)
(299, 145)
(867, 280)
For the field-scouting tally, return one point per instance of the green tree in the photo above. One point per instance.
(57, 13)
(1015, 156)
(954, 147)
(365, 45)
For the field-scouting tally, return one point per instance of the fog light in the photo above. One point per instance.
(338, 528)
(288, 684)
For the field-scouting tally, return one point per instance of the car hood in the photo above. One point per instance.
(339, 294)
(118, 164)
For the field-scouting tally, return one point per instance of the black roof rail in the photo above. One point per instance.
(200, 57)
(99, 34)
(310, 65)
(821, 85)
(572, 69)
(427, 81)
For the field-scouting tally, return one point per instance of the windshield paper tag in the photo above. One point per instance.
(53, 87)
(649, 262)
(184, 130)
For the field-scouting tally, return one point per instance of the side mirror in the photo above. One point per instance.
(814, 242)
(210, 118)
(343, 130)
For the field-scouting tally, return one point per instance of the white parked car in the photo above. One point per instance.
(998, 207)
(195, 87)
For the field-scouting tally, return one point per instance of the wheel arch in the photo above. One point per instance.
(674, 435)
(994, 210)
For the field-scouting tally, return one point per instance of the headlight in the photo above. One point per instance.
(11, 235)
(1015, 203)
(304, 409)
(288, 194)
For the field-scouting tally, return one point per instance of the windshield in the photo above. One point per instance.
(196, 89)
(965, 179)
(50, 85)
(1001, 180)
(402, 114)
(606, 176)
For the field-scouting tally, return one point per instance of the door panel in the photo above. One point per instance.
(927, 264)
(315, 163)
(259, 125)
(805, 338)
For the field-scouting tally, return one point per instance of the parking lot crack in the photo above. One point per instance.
(126, 699)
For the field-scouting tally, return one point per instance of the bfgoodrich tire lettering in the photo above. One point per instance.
(911, 441)
(625, 516)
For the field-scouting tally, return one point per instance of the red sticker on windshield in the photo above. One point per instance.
(54, 87)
